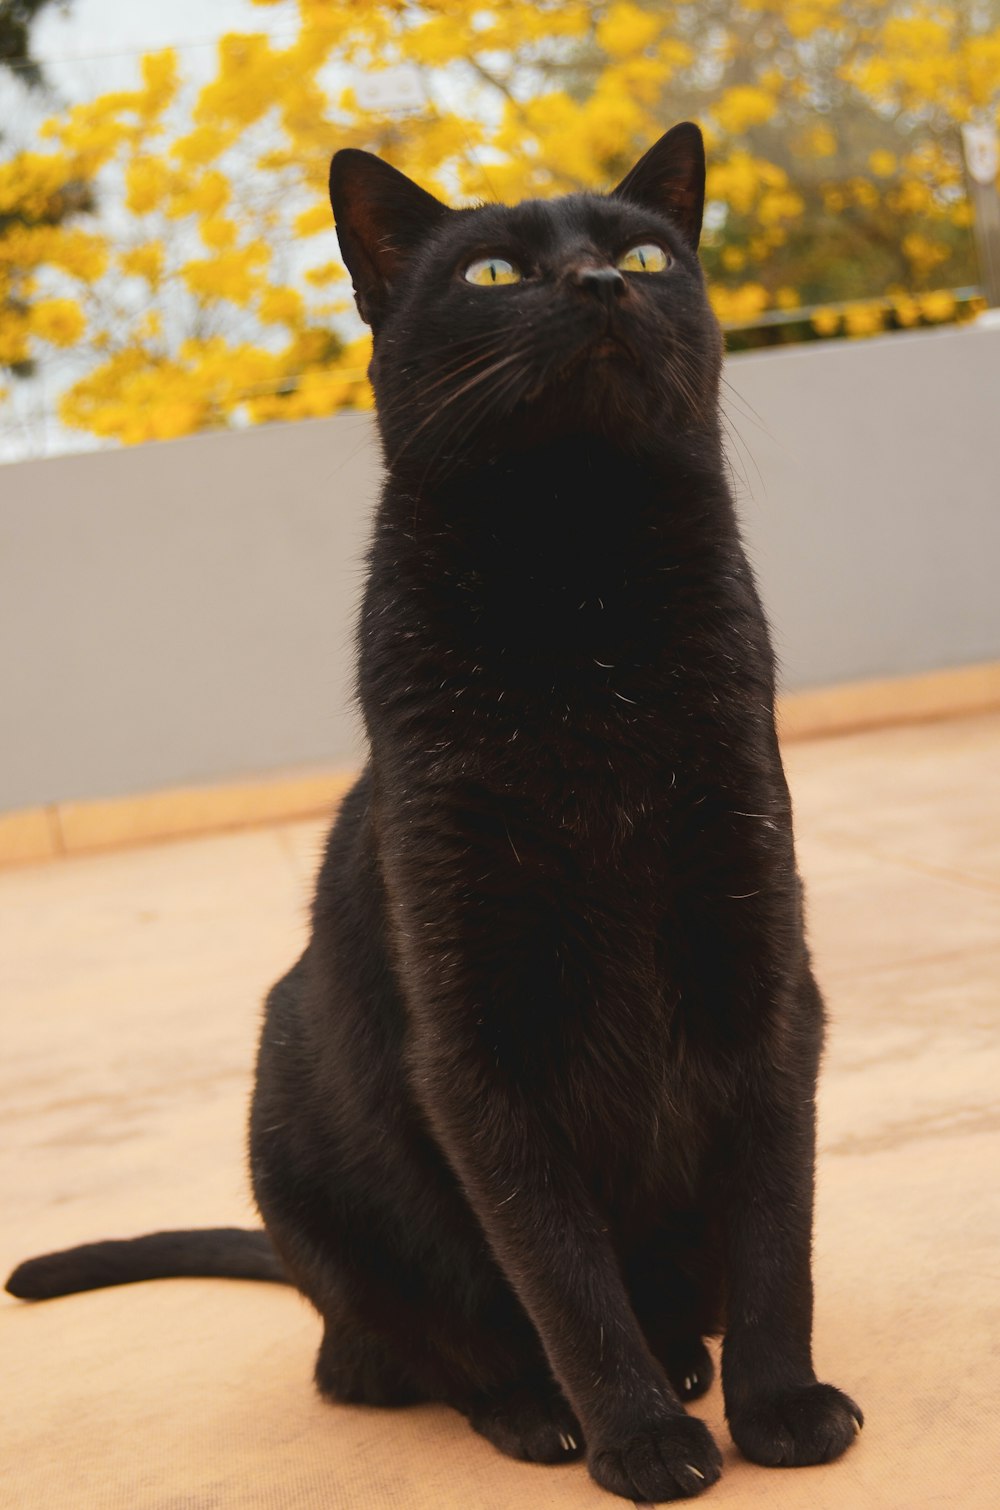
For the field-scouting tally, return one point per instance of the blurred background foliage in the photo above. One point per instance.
(167, 257)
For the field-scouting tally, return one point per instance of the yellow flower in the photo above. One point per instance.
(626, 28)
(144, 262)
(738, 306)
(58, 321)
(779, 204)
(161, 78)
(316, 218)
(863, 192)
(218, 231)
(13, 339)
(204, 195)
(743, 106)
(863, 319)
(826, 322)
(739, 179)
(906, 309)
(79, 253)
(233, 275)
(150, 327)
(923, 254)
(821, 141)
(937, 306)
(882, 163)
(146, 184)
(328, 272)
(281, 306)
(200, 146)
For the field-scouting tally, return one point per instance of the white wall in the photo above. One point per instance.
(183, 612)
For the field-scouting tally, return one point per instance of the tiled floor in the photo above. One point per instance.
(131, 985)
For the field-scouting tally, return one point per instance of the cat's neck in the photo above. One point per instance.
(559, 545)
(577, 493)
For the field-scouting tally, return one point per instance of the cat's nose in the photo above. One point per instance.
(603, 282)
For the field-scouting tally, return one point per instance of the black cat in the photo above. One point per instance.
(535, 1110)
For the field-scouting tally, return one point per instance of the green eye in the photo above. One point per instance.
(648, 258)
(487, 271)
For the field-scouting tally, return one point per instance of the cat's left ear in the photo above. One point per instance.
(670, 179)
(381, 217)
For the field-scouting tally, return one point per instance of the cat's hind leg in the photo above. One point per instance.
(675, 1294)
(530, 1420)
(355, 1366)
(688, 1365)
(526, 1418)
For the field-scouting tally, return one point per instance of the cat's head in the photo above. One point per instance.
(502, 326)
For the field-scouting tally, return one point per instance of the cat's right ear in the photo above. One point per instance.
(381, 217)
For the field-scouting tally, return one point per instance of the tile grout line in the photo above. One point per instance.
(905, 862)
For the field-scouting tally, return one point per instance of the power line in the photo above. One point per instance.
(34, 62)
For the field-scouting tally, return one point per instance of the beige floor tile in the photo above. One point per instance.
(869, 913)
(304, 843)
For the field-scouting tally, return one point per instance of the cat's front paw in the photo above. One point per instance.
(813, 1423)
(670, 1459)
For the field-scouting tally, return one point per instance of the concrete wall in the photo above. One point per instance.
(183, 613)
(871, 500)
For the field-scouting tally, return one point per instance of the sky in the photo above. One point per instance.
(103, 26)
(94, 44)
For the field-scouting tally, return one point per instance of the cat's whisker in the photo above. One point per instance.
(463, 417)
(747, 410)
(471, 416)
(451, 399)
(508, 359)
(683, 378)
(486, 353)
(729, 425)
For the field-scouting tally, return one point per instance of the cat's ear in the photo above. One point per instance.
(670, 179)
(381, 217)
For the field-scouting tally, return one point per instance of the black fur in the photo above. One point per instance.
(535, 1110)
(223, 1252)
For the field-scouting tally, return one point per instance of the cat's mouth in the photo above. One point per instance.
(606, 350)
(611, 348)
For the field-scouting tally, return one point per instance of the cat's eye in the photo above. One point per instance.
(647, 258)
(485, 272)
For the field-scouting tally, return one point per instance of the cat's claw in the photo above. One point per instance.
(689, 1367)
(669, 1460)
(531, 1421)
(812, 1424)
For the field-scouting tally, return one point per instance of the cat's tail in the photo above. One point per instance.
(213, 1253)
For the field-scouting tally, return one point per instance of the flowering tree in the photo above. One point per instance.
(208, 292)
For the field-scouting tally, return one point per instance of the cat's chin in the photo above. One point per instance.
(587, 373)
(611, 349)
